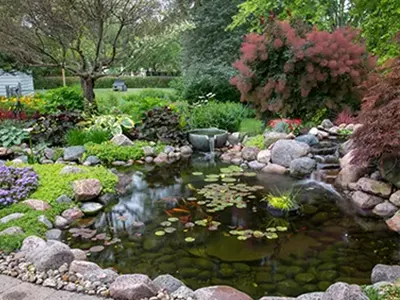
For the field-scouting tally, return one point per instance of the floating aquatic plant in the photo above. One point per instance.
(170, 229)
(173, 219)
(189, 240)
(197, 173)
(159, 233)
(283, 200)
(165, 224)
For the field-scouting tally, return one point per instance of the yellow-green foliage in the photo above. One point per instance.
(257, 141)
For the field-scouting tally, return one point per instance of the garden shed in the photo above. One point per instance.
(12, 79)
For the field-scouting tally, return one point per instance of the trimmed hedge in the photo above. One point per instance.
(45, 83)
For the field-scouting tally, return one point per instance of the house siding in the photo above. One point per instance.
(13, 79)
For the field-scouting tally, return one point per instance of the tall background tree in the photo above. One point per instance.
(209, 50)
(85, 37)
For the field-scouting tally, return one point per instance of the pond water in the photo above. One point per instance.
(326, 243)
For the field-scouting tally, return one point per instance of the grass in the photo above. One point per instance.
(52, 184)
(284, 200)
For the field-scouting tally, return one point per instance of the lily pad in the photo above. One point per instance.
(192, 199)
(226, 170)
(173, 220)
(212, 176)
(201, 202)
(96, 249)
(170, 229)
(271, 235)
(281, 228)
(165, 224)
(201, 222)
(197, 173)
(228, 179)
(211, 179)
(189, 225)
(258, 234)
(250, 174)
(159, 233)
(242, 237)
(271, 229)
(189, 240)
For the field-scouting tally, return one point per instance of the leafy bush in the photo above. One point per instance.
(162, 124)
(52, 82)
(256, 141)
(138, 108)
(112, 124)
(16, 184)
(295, 70)
(227, 116)
(12, 135)
(52, 129)
(25, 105)
(252, 127)
(64, 99)
(380, 114)
(76, 137)
(109, 152)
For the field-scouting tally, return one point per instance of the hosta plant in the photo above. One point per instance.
(113, 124)
(16, 184)
(12, 135)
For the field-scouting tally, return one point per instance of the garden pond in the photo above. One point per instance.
(204, 223)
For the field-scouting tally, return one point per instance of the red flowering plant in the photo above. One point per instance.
(295, 70)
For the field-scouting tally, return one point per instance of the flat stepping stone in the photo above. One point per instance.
(12, 217)
(91, 208)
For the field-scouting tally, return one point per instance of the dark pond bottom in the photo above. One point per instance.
(324, 244)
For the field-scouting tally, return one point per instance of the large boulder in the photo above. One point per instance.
(134, 286)
(365, 201)
(301, 167)
(349, 172)
(311, 296)
(220, 292)
(389, 168)
(51, 257)
(86, 189)
(271, 137)
(167, 282)
(32, 243)
(250, 153)
(264, 156)
(342, 291)
(374, 187)
(284, 151)
(121, 140)
(385, 273)
(275, 169)
(73, 153)
(92, 272)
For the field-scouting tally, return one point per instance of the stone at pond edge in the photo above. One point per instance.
(395, 198)
(375, 187)
(220, 292)
(385, 209)
(64, 199)
(311, 296)
(161, 158)
(37, 204)
(183, 292)
(365, 201)
(79, 254)
(350, 173)
(301, 167)
(256, 165)
(92, 272)
(31, 243)
(167, 282)
(86, 189)
(73, 153)
(14, 230)
(60, 222)
(54, 234)
(52, 256)
(250, 153)
(271, 137)
(284, 151)
(308, 139)
(92, 160)
(385, 273)
(91, 208)
(11, 217)
(389, 168)
(275, 169)
(264, 156)
(134, 286)
(341, 291)
(186, 150)
(72, 214)
(107, 198)
(121, 140)
(327, 124)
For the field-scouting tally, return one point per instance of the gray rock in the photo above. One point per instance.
(220, 292)
(134, 286)
(365, 201)
(385, 209)
(46, 162)
(385, 273)
(54, 234)
(250, 153)
(237, 161)
(50, 282)
(350, 173)
(264, 156)
(37, 204)
(91, 208)
(394, 222)
(149, 151)
(167, 282)
(121, 140)
(92, 160)
(43, 219)
(277, 298)
(86, 189)
(11, 217)
(168, 149)
(149, 159)
(341, 291)
(311, 296)
(284, 151)
(183, 293)
(49, 153)
(308, 139)
(327, 124)
(72, 214)
(395, 198)
(92, 272)
(376, 176)
(107, 198)
(32, 243)
(73, 153)
(234, 138)
(346, 147)
(161, 158)
(271, 137)
(186, 150)
(60, 222)
(313, 131)
(52, 256)
(22, 158)
(71, 170)
(375, 187)
(79, 255)
(389, 168)
(275, 169)
(14, 230)
(256, 165)
(301, 167)
(64, 199)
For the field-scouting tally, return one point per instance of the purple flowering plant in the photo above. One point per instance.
(16, 184)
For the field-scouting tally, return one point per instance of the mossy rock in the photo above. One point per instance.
(327, 266)
(310, 288)
(167, 268)
(185, 262)
(220, 281)
(241, 268)
(204, 275)
(188, 272)
(279, 277)
(267, 288)
(323, 285)
(226, 272)
(297, 246)
(328, 275)
(347, 270)
(264, 277)
(152, 244)
(247, 287)
(204, 264)
(309, 209)
(293, 270)
(303, 278)
(289, 288)
(164, 258)
(320, 218)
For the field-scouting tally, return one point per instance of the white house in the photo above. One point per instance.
(13, 79)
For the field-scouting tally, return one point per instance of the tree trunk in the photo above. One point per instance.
(87, 84)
